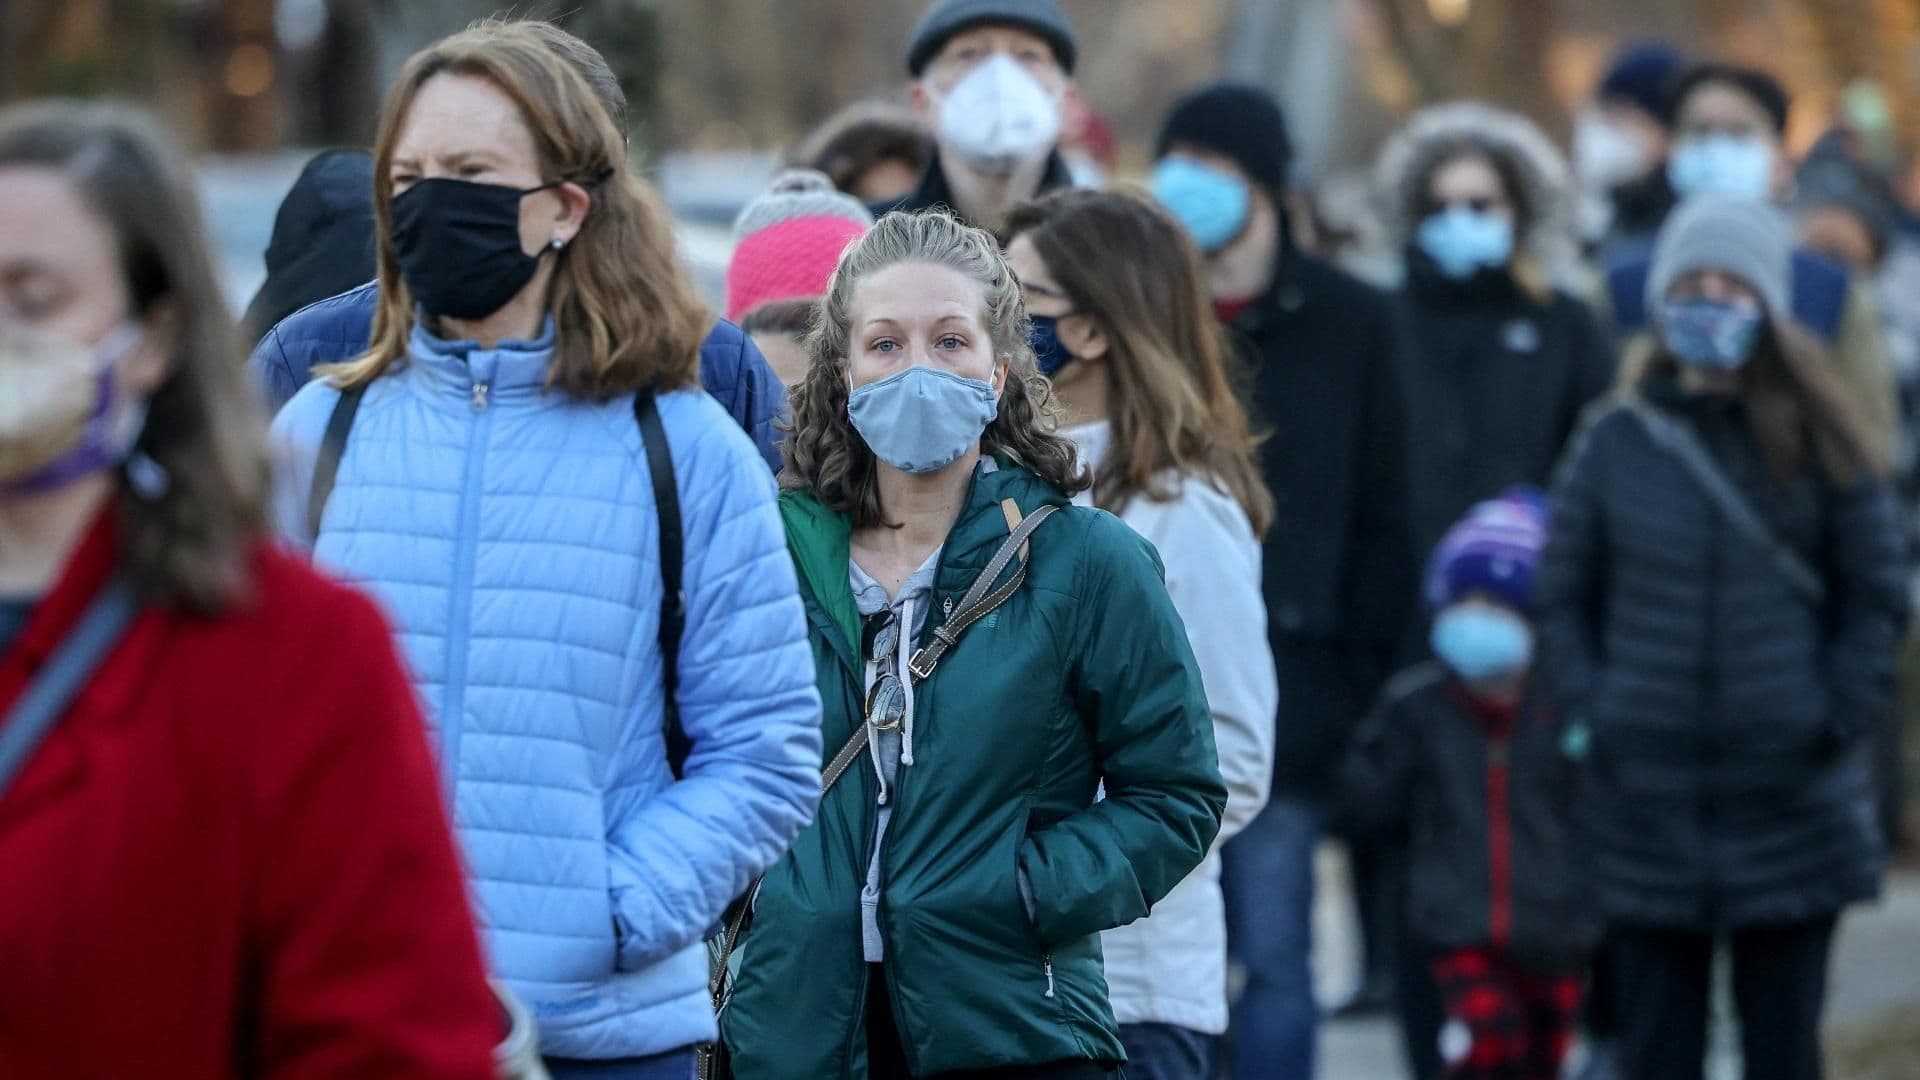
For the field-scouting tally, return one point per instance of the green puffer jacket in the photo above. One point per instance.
(1083, 675)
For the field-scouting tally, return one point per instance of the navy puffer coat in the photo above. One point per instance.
(1726, 781)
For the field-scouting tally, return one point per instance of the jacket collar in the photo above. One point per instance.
(514, 371)
(821, 543)
(1484, 289)
(116, 688)
(1285, 295)
(934, 190)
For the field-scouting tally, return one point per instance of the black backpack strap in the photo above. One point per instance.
(332, 446)
(673, 600)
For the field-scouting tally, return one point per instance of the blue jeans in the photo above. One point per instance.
(1166, 1052)
(672, 1065)
(1267, 876)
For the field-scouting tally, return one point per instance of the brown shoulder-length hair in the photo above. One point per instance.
(625, 315)
(1126, 266)
(827, 458)
(1792, 402)
(184, 544)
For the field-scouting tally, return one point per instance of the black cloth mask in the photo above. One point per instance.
(458, 245)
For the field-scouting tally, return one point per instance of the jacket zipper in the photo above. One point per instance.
(1046, 965)
(1707, 750)
(460, 616)
(1499, 845)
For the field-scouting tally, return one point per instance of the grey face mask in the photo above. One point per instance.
(922, 420)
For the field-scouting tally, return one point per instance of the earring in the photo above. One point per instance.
(558, 243)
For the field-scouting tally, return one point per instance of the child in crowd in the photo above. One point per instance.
(786, 244)
(1464, 753)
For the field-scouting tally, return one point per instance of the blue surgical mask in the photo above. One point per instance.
(1482, 643)
(1712, 334)
(1463, 241)
(923, 419)
(1721, 165)
(1211, 203)
(1048, 352)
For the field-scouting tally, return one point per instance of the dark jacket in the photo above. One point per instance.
(935, 191)
(1339, 564)
(1726, 782)
(1496, 383)
(1640, 207)
(338, 328)
(1485, 792)
(322, 240)
(1083, 676)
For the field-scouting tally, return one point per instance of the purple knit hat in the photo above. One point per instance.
(1494, 549)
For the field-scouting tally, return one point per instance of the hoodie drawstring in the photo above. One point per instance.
(903, 665)
(873, 743)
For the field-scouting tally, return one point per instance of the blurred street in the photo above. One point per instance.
(1875, 986)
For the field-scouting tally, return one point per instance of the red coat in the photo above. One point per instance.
(230, 857)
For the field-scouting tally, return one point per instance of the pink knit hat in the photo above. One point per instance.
(787, 242)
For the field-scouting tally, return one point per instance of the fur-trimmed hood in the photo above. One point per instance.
(1440, 132)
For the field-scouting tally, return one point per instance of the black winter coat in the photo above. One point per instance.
(1340, 568)
(1726, 781)
(1496, 384)
(1486, 797)
(935, 191)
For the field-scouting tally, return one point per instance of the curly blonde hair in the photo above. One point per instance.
(828, 459)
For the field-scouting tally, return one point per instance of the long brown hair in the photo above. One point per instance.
(827, 458)
(625, 314)
(1792, 402)
(1175, 415)
(186, 546)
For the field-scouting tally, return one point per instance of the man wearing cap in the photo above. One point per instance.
(1729, 138)
(991, 79)
(1339, 566)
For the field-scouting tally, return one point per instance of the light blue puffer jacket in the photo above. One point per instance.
(510, 534)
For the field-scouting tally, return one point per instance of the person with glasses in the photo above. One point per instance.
(1038, 767)
(1124, 329)
(1499, 362)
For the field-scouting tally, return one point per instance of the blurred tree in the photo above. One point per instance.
(1283, 46)
(1494, 50)
(629, 33)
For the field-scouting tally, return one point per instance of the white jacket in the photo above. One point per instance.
(1171, 967)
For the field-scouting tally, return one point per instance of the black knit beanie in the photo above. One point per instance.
(945, 18)
(1763, 88)
(1236, 121)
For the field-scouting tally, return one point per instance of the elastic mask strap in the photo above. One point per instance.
(593, 181)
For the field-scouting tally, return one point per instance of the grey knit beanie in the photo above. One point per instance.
(945, 18)
(1747, 238)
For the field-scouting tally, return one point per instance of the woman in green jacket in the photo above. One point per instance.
(941, 916)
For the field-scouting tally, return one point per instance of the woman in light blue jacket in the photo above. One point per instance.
(497, 494)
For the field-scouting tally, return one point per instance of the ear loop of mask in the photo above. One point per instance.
(148, 479)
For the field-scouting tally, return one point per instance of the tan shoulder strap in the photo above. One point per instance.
(980, 599)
